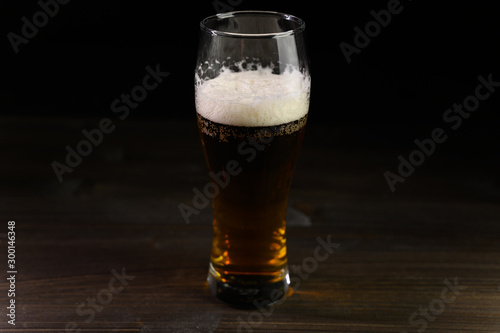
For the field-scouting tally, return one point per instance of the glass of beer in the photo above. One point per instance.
(252, 88)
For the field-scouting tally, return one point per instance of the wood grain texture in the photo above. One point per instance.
(117, 213)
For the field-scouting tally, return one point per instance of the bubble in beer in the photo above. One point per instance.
(253, 96)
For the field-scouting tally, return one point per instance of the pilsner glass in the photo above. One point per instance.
(252, 88)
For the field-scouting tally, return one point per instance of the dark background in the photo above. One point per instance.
(428, 58)
(398, 87)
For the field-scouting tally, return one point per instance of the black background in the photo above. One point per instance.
(426, 59)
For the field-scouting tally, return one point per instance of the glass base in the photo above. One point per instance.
(245, 293)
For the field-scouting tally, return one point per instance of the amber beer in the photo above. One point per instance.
(249, 243)
(251, 145)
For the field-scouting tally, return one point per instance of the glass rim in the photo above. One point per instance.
(215, 32)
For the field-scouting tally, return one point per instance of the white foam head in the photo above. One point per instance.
(254, 97)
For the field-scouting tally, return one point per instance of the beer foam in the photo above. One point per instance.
(254, 98)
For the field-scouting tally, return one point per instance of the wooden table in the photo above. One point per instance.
(106, 249)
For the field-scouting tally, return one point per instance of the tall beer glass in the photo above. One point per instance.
(252, 89)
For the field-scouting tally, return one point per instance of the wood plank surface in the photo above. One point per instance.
(107, 250)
